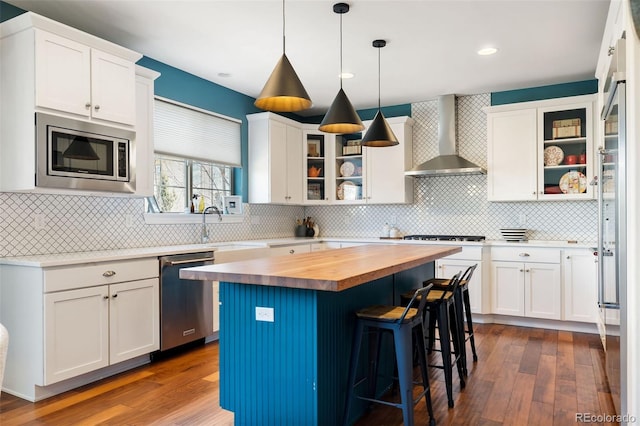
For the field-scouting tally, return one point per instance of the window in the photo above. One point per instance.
(178, 180)
(195, 153)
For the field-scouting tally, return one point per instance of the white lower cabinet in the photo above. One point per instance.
(72, 324)
(526, 282)
(76, 338)
(580, 285)
(93, 327)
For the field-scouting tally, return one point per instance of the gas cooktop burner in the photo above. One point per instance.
(445, 237)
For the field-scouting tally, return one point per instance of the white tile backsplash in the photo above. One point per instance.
(42, 223)
(72, 223)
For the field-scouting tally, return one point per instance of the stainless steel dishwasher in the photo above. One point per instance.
(186, 306)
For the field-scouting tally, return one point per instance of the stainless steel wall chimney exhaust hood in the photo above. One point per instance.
(447, 162)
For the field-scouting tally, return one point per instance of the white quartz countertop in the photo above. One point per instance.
(63, 259)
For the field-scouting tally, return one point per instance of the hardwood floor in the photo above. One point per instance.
(523, 376)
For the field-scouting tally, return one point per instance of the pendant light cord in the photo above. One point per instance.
(378, 78)
(341, 50)
(283, 29)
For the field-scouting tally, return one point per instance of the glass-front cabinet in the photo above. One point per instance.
(541, 150)
(317, 153)
(566, 145)
(349, 169)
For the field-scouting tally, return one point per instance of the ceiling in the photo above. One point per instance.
(431, 45)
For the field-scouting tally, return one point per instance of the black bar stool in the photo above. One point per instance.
(441, 311)
(462, 304)
(404, 323)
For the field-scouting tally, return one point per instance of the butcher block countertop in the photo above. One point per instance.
(328, 270)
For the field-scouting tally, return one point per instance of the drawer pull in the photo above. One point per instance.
(291, 251)
(524, 255)
(108, 273)
(115, 295)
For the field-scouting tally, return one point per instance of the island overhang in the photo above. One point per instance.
(327, 270)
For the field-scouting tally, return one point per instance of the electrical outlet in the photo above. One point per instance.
(522, 219)
(39, 221)
(264, 314)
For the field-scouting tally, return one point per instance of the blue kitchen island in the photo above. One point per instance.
(286, 326)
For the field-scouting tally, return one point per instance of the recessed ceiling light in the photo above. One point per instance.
(224, 74)
(346, 75)
(487, 51)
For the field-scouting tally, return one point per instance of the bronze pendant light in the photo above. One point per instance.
(379, 133)
(342, 117)
(283, 91)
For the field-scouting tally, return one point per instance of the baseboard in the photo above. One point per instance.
(578, 327)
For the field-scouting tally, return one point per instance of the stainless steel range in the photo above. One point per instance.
(427, 237)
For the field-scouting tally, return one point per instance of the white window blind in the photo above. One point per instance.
(194, 133)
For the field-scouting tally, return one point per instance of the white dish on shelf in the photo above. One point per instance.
(553, 155)
(573, 182)
(347, 190)
(347, 169)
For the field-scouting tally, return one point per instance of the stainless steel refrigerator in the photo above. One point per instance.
(612, 241)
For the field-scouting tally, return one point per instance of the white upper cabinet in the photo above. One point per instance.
(68, 71)
(375, 175)
(541, 150)
(74, 78)
(63, 74)
(144, 151)
(385, 181)
(275, 160)
(294, 163)
(511, 155)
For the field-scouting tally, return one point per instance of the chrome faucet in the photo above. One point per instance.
(205, 234)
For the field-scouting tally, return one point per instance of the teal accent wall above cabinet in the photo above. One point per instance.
(8, 11)
(563, 90)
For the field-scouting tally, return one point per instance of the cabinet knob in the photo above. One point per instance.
(568, 257)
(105, 297)
(87, 105)
(524, 255)
(521, 270)
(97, 107)
(526, 270)
(115, 295)
(291, 251)
(108, 273)
(533, 193)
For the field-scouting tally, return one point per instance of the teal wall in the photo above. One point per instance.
(576, 88)
(8, 11)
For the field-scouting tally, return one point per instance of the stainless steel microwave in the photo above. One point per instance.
(74, 154)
